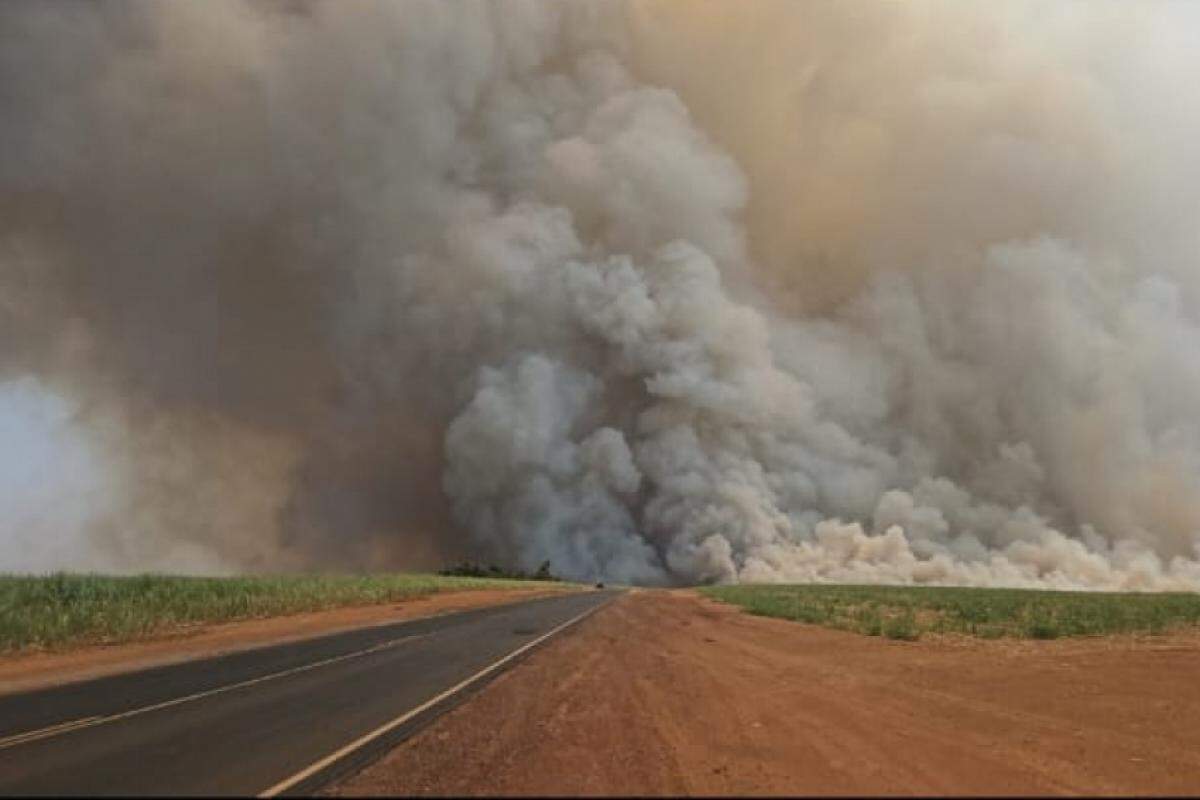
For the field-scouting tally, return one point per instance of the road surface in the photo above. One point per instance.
(277, 720)
(669, 694)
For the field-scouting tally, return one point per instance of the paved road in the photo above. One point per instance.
(282, 719)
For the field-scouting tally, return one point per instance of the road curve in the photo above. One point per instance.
(280, 720)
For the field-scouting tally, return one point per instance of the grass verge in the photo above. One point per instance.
(54, 611)
(907, 612)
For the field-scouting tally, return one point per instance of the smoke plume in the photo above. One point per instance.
(662, 292)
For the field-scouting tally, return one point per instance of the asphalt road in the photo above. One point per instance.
(285, 719)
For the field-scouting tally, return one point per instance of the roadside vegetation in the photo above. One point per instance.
(63, 609)
(469, 569)
(907, 612)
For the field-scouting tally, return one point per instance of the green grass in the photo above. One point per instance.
(54, 611)
(907, 612)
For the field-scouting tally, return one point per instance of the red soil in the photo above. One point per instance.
(34, 670)
(668, 693)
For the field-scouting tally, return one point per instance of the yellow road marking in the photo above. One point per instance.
(43, 733)
(89, 722)
(317, 766)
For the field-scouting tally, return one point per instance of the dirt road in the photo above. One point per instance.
(669, 693)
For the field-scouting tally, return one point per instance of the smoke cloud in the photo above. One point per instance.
(661, 292)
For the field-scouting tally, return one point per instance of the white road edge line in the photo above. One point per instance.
(317, 766)
(89, 722)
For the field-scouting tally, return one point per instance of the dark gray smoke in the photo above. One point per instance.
(657, 291)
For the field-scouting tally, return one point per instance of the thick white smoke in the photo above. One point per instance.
(847, 292)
